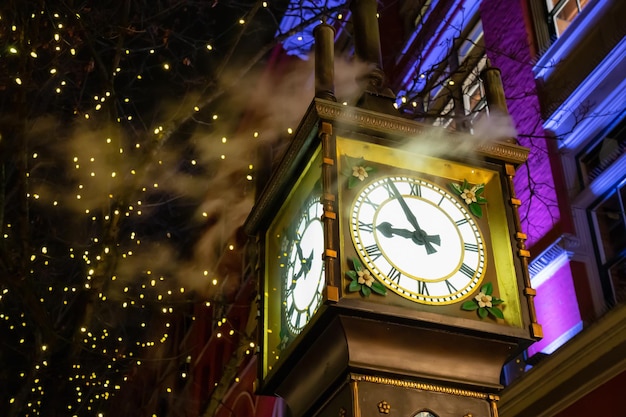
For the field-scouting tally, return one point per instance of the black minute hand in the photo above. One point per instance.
(419, 236)
(305, 263)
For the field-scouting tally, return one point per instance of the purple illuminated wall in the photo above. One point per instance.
(508, 48)
(557, 309)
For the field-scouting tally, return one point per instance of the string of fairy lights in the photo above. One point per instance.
(97, 253)
(107, 185)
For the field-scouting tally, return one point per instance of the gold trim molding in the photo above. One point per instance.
(395, 125)
(422, 386)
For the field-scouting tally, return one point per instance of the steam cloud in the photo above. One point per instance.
(273, 102)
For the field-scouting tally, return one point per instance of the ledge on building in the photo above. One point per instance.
(590, 359)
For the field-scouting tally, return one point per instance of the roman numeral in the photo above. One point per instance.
(289, 294)
(467, 271)
(422, 288)
(416, 189)
(366, 227)
(389, 190)
(367, 200)
(441, 201)
(461, 222)
(394, 275)
(470, 247)
(373, 251)
(318, 206)
(451, 288)
(314, 303)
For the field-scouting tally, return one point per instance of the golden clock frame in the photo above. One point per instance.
(371, 128)
(494, 228)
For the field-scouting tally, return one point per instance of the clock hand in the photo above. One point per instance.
(305, 263)
(420, 237)
(295, 278)
(388, 231)
(407, 212)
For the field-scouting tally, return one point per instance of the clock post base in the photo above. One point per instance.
(375, 396)
(428, 359)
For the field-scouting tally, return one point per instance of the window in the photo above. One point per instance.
(447, 116)
(617, 277)
(421, 16)
(561, 13)
(474, 99)
(610, 226)
(473, 40)
(450, 93)
(604, 152)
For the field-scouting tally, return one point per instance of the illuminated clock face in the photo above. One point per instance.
(303, 273)
(418, 240)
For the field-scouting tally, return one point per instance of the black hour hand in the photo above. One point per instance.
(419, 236)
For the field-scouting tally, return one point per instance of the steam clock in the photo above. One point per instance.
(392, 268)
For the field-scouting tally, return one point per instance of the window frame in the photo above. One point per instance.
(614, 287)
(552, 15)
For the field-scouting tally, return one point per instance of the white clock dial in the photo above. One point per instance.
(303, 274)
(418, 240)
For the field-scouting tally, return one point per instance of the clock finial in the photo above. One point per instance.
(324, 61)
(494, 92)
(377, 95)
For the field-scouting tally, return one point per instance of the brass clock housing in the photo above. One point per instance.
(388, 330)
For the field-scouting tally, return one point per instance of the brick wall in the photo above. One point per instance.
(509, 48)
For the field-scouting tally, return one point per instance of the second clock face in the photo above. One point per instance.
(303, 274)
(418, 240)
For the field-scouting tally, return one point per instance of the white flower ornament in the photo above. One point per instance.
(469, 195)
(472, 195)
(365, 277)
(483, 299)
(361, 280)
(485, 303)
(359, 172)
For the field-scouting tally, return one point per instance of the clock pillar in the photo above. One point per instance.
(330, 219)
